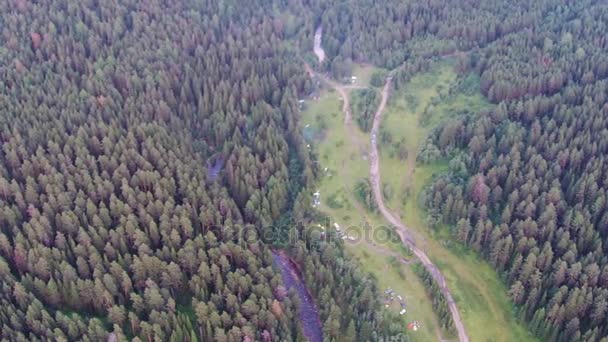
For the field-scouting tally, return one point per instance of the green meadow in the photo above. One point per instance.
(413, 111)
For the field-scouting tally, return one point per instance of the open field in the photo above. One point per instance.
(342, 151)
(401, 123)
(404, 282)
(363, 72)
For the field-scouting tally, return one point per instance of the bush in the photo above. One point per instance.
(428, 153)
(363, 105)
(387, 191)
(336, 201)
(363, 192)
(378, 78)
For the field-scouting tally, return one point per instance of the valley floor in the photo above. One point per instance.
(343, 149)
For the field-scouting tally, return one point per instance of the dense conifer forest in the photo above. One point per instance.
(151, 159)
(144, 147)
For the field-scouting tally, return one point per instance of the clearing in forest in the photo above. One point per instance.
(412, 112)
(343, 150)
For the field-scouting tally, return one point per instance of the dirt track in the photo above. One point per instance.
(341, 89)
(402, 230)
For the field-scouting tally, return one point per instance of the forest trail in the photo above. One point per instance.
(318, 49)
(403, 231)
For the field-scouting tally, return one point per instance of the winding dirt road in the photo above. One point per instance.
(341, 89)
(403, 231)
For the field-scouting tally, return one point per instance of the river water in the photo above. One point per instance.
(309, 315)
(317, 44)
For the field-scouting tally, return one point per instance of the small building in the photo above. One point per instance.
(316, 199)
(414, 326)
(402, 312)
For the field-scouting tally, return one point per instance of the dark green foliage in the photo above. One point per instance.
(109, 218)
(364, 103)
(378, 78)
(529, 191)
(428, 152)
(389, 33)
(341, 69)
(109, 112)
(363, 192)
(440, 306)
(356, 295)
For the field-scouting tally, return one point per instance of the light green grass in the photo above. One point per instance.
(342, 151)
(401, 120)
(404, 283)
(364, 73)
(481, 296)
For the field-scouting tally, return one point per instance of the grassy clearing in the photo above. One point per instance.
(401, 121)
(405, 283)
(363, 72)
(340, 155)
(481, 296)
(343, 152)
